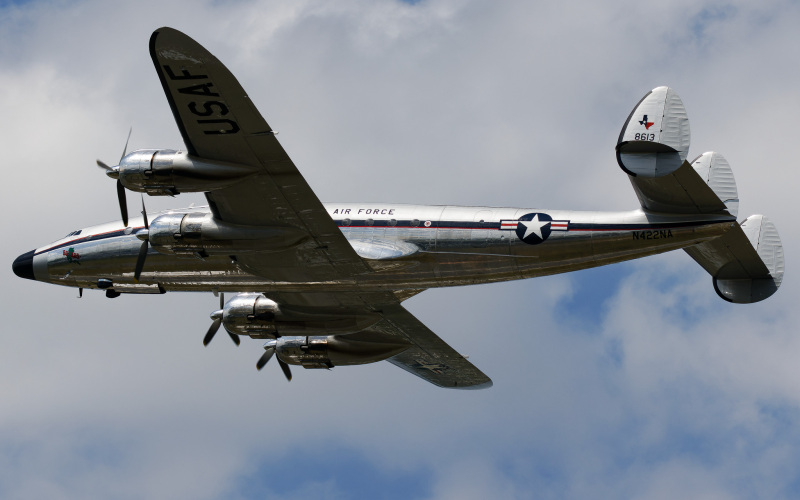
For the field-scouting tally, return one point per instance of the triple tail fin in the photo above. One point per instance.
(746, 263)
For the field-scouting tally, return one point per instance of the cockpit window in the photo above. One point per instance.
(73, 233)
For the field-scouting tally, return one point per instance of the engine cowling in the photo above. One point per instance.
(198, 233)
(169, 172)
(256, 316)
(336, 350)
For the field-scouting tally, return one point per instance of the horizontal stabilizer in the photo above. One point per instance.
(707, 186)
(746, 263)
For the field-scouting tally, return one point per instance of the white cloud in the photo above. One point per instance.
(666, 392)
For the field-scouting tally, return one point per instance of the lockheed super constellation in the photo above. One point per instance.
(323, 284)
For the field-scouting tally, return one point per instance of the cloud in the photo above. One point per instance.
(631, 381)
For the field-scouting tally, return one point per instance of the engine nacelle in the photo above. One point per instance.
(337, 350)
(198, 233)
(169, 172)
(256, 316)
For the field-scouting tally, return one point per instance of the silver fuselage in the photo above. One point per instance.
(428, 246)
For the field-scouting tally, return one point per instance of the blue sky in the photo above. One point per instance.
(629, 381)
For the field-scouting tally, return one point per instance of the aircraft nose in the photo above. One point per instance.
(23, 266)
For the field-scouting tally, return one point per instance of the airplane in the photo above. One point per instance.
(324, 284)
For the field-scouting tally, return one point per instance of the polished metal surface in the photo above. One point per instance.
(169, 172)
(255, 315)
(202, 235)
(334, 350)
(448, 251)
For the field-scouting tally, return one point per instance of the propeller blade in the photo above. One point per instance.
(285, 368)
(144, 236)
(114, 174)
(234, 337)
(212, 331)
(144, 215)
(217, 316)
(140, 261)
(123, 203)
(268, 352)
(125, 151)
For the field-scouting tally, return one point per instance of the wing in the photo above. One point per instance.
(219, 122)
(429, 357)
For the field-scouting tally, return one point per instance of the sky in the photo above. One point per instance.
(629, 381)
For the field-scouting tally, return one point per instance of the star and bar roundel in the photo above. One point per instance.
(534, 228)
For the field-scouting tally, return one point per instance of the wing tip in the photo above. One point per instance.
(475, 387)
(155, 35)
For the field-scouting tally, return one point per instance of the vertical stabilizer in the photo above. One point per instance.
(746, 263)
(714, 169)
(655, 139)
(652, 150)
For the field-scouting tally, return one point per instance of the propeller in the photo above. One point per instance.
(217, 317)
(144, 235)
(113, 172)
(269, 350)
